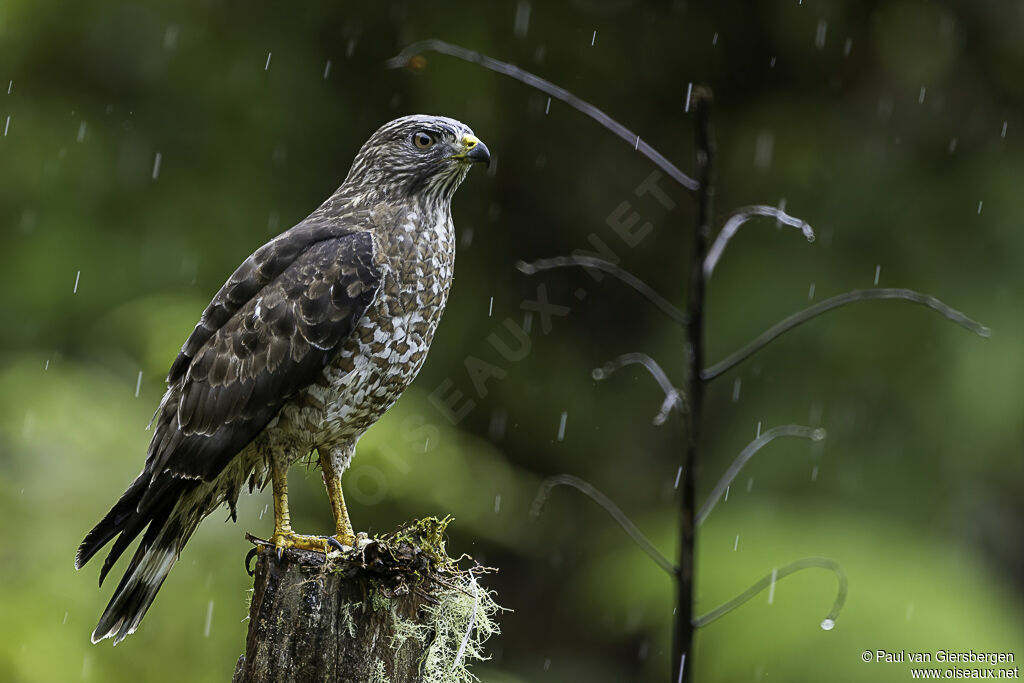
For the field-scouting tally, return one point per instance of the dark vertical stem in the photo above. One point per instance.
(682, 651)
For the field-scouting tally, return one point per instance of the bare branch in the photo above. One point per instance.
(611, 508)
(807, 563)
(607, 266)
(406, 57)
(674, 398)
(769, 335)
(747, 453)
(741, 216)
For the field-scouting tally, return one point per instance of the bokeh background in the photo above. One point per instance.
(148, 148)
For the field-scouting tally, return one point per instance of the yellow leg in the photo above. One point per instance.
(332, 480)
(284, 537)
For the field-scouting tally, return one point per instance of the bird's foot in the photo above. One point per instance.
(316, 544)
(342, 542)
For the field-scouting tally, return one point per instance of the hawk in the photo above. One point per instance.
(306, 345)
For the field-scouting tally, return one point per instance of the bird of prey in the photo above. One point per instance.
(307, 344)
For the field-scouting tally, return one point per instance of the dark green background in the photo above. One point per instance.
(894, 152)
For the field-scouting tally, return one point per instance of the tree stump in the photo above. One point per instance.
(393, 610)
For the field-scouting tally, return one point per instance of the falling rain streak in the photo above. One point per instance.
(74, 290)
(771, 588)
(878, 271)
(819, 36)
(209, 619)
(593, 38)
(679, 474)
(522, 21)
(561, 426)
(7, 125)
(266, 67)
(327, 69)
(81, 132)
(156, 165)
(138, 384)
(979, 207)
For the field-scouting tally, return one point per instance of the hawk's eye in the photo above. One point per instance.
(422, 139)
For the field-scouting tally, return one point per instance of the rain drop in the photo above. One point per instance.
(736, 543)
(878, 270)
(979, 207)
(266, 67)
(156, 165)
(679, 474)
(819, 36)
(7, 125)
(11, 85)
(327, 69)
(78, 275)
(138, 384)
(209, 619)
(522, 22)
(828, 624)
(561, 426)
(547, 107)
(171, 36)
(689, 92)
(490, 308)
(763, 149)
(593, 38)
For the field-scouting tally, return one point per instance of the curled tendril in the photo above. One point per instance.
(807, 563)
(747, 453)
(741, 216)
(611, 508)
(674, 397)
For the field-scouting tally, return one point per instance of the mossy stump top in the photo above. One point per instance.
(396, 609)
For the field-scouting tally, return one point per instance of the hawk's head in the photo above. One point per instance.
(417, 155)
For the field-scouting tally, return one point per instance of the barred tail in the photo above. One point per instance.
(168, 522)
(149, 567)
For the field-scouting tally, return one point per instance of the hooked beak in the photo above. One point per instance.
(474, 150)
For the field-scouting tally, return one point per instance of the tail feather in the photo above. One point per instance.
(166, 536)
(113, 522)
(167, 524)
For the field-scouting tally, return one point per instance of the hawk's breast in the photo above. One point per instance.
(389, 345)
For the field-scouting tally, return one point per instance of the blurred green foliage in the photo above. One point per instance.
(895, 129)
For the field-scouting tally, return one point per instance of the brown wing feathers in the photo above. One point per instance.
(229, 381)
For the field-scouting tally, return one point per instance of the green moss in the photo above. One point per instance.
(427, 534)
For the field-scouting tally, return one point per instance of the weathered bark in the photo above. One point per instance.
(307, 623)
(396, 610)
